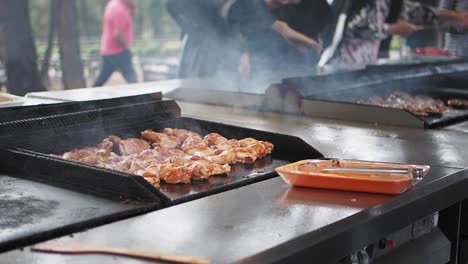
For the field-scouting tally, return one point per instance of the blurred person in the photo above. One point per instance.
(428, 37)
(456, 40)
(225, 37)
(366, 27)
(270, 50)
(117, 36)
(209, 47)
(270, 54)
(423, 38)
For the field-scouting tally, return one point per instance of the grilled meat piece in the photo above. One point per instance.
(214, 139)
(169, 172)
(93, 155)
(132, 146)
(203, 169)
(181, 134)
(160, 139)
(151, 178)
(164, 154)
(86, 155)
(193, 144)
(243, 155)
(178, 155)
(225, 157)
(418, 105)
(458, 103)
(184, 172)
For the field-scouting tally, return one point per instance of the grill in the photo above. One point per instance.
(32, 140)
(336, 96)
(27, 143)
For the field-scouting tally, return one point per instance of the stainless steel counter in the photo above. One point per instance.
(269, 221)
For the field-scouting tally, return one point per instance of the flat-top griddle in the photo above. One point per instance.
(31, 142)
(325, 97)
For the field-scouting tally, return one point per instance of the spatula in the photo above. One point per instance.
(67, 248)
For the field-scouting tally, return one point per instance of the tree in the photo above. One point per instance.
(50, 41)
(17, 48)
(69, 43)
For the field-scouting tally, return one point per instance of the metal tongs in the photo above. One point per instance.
(416, 174)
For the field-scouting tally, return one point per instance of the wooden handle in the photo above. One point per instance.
(65, 248)
(155, 256)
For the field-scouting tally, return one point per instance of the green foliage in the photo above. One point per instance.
(151, 19)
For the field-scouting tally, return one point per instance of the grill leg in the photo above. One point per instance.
(449, 223)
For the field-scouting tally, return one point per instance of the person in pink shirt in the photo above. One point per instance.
(117, 36)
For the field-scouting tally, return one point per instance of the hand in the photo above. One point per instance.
(403, 28)
(244, 66)
(299, 41)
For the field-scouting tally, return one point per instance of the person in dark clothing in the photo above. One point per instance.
(426, 37)
(366, 27)
(270, 53)
(422, 38)
(210, 48)
(456, 40)
(218, 32)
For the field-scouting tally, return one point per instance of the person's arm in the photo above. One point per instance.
(457, 21)
(251, 17)
(403, 28)
(296, 39)
(421, 14)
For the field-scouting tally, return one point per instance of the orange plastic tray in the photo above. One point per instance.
(309, 173)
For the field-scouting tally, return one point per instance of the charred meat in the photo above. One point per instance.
(418, 105)
(172, 156)
(458, 103)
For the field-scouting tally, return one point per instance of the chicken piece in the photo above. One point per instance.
(165, 154)
(160, 139)
(170, 173)
(193, 144)
(148, 158)
(181, 134)
(247, 141)
(214, 139)
(225, 157)
(106, 144)
(457, 103)
(204, 152)
(203, 169)
(148, 154)
(268, 145)
(184, 159)
(257, 149)
(122, 166)
(91, 156)
(137, 165)
(82, 155)
(132, 146)
(230, 144)
(155, 181)
(151, 157)
(152, 179)
(243, 155)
